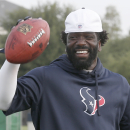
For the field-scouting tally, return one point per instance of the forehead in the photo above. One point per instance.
(82, 33)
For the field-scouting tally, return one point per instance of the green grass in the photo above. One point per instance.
(24, 128)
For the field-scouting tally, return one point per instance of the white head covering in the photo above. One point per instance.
(83, 20)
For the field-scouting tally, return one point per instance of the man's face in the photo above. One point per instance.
(82, 49)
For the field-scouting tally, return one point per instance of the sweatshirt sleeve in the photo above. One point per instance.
(29, 91)
(125, 121)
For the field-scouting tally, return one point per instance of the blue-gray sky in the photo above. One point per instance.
(122, 6)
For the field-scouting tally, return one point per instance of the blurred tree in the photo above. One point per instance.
(55, 16)
(111, 22)
(115, 56)
(115, 53)
(12, 17)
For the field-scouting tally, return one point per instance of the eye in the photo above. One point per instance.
(89, 37)
(72, 37)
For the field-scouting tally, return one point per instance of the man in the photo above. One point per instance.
(74, 92)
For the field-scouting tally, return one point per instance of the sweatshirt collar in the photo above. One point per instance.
(64, 63)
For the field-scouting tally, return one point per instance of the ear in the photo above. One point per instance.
(99, 46)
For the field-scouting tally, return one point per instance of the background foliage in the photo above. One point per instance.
(114, 55)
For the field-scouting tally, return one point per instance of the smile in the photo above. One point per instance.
(81, 52)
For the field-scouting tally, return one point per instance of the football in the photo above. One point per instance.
(27, 41)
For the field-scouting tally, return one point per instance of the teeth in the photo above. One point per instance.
(82, 52)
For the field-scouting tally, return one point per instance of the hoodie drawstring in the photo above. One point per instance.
(96, 79)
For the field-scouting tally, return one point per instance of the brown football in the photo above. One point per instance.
(27, 41)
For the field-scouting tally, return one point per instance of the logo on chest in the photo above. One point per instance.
(90, 102)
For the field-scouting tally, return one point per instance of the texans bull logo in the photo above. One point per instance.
(90, 102)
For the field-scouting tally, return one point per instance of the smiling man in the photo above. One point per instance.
(74, 92)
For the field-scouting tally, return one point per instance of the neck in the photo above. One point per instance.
(93, 65)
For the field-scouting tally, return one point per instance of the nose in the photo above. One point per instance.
(81, 41)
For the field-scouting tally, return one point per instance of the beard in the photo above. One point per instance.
(82, 63)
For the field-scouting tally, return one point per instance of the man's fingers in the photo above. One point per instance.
(19, 21)
(28, 17)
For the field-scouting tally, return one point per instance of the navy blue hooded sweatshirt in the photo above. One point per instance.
(63, 98)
